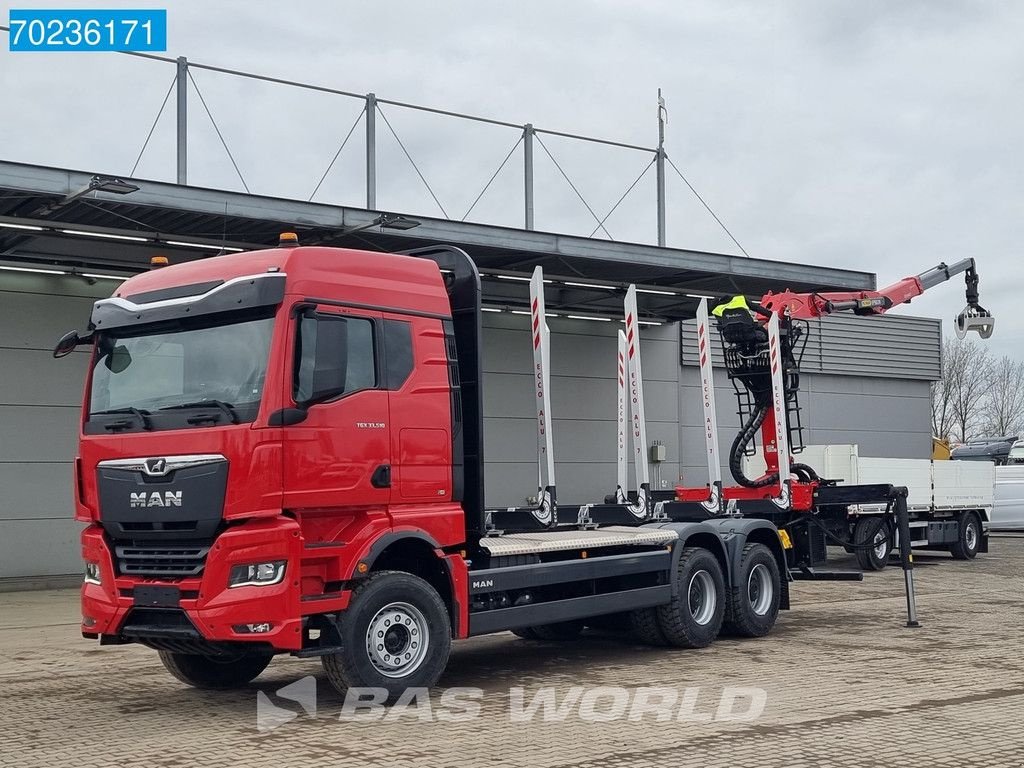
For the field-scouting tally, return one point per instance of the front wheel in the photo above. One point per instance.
(215, 672)
(968, 537)
(874, 543)
(396, 634)
(694, 617)
(754, 598)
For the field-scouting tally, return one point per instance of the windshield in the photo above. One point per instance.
(218, 365)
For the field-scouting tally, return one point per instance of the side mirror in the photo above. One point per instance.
(68, 342)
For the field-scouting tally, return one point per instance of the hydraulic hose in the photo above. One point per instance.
(739, 446)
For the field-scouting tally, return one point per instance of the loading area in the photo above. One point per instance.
(843, 678)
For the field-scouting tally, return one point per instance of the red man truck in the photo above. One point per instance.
(282, 452)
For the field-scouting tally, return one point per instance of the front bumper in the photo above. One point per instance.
(116, 611)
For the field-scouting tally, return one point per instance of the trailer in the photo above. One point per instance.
(950, 503)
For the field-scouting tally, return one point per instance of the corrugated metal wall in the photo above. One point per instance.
(39, 403)
(879, 399)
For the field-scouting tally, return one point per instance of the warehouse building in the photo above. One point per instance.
(66, 235)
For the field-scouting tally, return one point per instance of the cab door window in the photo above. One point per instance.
(335, 356)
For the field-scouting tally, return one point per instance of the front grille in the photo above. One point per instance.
(168, 561)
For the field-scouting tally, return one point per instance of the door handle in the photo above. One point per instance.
(381, 477)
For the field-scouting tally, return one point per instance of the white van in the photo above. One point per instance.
(1008, 510)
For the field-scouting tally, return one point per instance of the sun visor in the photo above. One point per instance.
(187, 301)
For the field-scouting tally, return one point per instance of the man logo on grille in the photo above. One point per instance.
(156, 467)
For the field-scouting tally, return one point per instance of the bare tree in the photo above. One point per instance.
(958, 398)
(1003, 411)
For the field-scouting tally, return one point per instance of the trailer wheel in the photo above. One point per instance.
(215, 672)
(968, 537)
(872, 530)
(396, 634)
(563, 630)
(694, 616)
(643, 623)
(754, 597)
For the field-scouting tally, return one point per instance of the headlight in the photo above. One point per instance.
(92, 573)
(256, 574)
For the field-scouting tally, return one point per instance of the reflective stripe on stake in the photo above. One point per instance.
(634, 377)
(779, 408)
(707, 388)
(542, 390)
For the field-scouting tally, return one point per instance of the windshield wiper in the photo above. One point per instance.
(226, 408)
(113, 426)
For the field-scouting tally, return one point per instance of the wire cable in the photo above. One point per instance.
(413, 162)
(217, 129)
(708, 207)
(336, 154)
(625, 194)
(493, 177)
(565, 176)
(153, 126)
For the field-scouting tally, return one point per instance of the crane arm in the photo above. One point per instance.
(806, 306)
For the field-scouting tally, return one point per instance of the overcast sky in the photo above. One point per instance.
(875, 135)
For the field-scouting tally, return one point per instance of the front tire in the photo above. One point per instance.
(396, 634)
(754, 598)
(215, 672)
(694, 617)
(872, 530)
(968, 537)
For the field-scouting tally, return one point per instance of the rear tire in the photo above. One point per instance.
(872, 530)
(694, 617)
(968, 537)
(396, 634)
(215, 672)
(643, 623)
(754, 597)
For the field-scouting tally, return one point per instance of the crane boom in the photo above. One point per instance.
(806, 306)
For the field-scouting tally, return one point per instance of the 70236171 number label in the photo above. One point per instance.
(50, 30)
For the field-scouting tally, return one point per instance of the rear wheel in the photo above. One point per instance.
(754, 598)
(872, 531)
(644, 625)
(694, 617)
(396, 634)
(215, 672)
(969, 537)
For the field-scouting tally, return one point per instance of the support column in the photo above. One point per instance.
(528, 175)
(182, 121)
(371, 152)
(660, 167)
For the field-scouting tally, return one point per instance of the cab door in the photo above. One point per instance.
(339, 454)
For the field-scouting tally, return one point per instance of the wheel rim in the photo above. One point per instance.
(881, 542)
(971, 536)
(701, 597)
(397, 639)
(760, 590)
